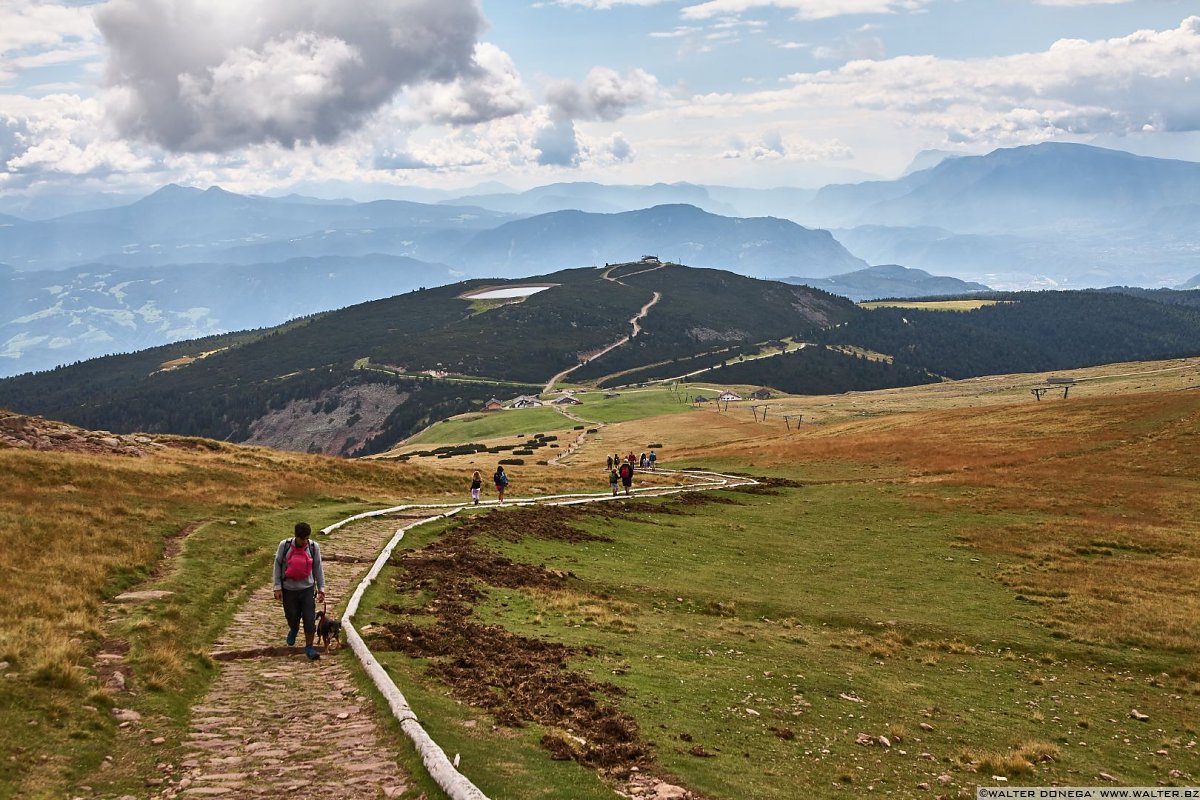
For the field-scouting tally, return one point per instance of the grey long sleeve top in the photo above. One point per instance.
(318, 574)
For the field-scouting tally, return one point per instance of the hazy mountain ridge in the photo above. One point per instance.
(1050, 214)
(183, 225)
(1031, 187)
(763, 247)
(890, 281)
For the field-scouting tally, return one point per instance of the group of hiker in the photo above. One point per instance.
(300, 580)
(620, 470)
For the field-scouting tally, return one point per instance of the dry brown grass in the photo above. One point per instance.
(582, 609)
(1018, 761)
(76, 528)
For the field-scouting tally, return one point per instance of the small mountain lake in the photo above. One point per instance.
(507, 292)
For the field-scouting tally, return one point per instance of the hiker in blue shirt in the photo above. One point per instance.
(653, 458)
(297, 575)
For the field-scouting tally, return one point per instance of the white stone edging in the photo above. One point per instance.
(440, 768)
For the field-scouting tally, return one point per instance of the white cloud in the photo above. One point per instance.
(604, 94)
(60, 134)
(36, 34)
(1143, 81)
(676, 33)
(556, 144)
(604, 5)
(772, 145)
(215, 75)
(26, 25)
(496, 91)
(805, 9)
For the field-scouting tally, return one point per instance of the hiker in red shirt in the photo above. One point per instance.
(298, 574)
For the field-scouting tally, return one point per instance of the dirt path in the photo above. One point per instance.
(635, 321)
(254, 735)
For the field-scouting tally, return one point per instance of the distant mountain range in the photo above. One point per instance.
(609, 199)
(123, 277)
(1044, 216)
(178, 225)
(1049, 214)
(890, 281)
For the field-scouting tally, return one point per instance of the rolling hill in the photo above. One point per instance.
(220, 386)
(356, 381)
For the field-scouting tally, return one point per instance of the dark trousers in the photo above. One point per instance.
(301, 604)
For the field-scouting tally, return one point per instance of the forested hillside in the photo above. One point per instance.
(1028, 332)
(222, 386)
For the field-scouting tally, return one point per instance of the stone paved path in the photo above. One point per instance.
(282, 726)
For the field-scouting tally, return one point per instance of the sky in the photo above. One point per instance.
(273, 96)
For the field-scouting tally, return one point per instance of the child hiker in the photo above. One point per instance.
(613, 480)
(476, 485)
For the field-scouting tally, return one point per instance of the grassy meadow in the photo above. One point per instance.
(988, 583)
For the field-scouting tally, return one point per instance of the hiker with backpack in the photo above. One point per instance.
(501, 481)
(627, 475)
(300, 584)
(613, 479)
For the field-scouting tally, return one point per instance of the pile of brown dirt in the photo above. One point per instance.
(768, 486)
(516, 678)
(705, 498)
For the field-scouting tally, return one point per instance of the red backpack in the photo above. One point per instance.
(297, 564)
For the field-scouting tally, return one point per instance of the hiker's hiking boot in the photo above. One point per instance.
(291, 639)
(312, 653)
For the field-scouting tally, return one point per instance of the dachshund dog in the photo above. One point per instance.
(329, 631)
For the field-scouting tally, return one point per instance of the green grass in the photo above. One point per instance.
(743, 619)
(632, 404)
(494, 425)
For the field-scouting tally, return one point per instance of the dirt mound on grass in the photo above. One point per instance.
(518, 679)
(705, 498)
(767, 486)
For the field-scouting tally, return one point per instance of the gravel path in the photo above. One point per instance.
(256, 735)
